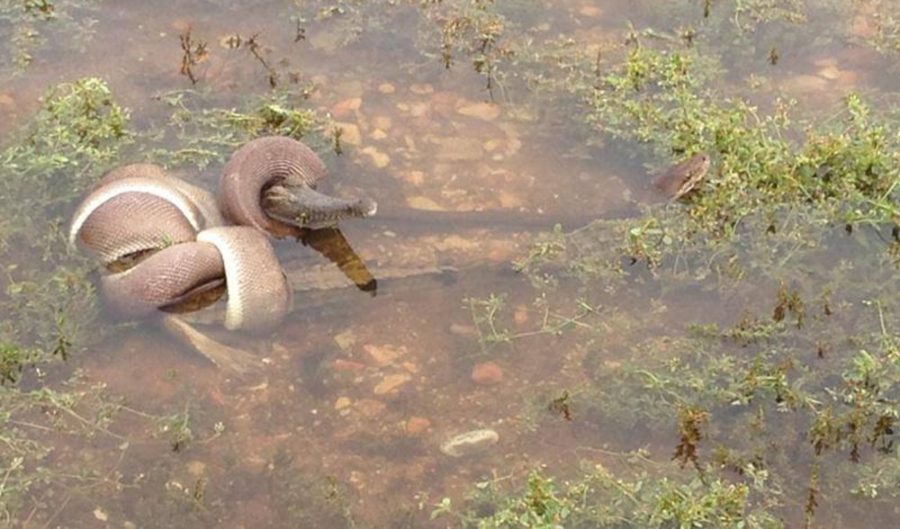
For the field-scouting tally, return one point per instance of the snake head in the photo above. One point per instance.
(680, 179)
(305, 207)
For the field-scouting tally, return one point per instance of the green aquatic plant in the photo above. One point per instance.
(881, 25)
(600, 499)
(25, 27)
(49, 301)
(664, 96)
(201, 134)
(474, 30)
(303, 498)
(486, 316)
(451, 32)
(658, 98)
(804, 386)
(78, 131)
(37, 470)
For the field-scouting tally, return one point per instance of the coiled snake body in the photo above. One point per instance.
(183, 240)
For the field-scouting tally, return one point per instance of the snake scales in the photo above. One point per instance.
(180, 240)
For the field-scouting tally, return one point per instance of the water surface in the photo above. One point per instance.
(341, 427)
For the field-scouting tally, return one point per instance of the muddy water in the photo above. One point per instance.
(357, 392)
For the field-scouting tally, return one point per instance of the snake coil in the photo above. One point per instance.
(180, 237)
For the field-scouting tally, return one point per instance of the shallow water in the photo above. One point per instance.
(357, 392)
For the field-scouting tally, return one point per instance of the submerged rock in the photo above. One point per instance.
(392, 383)
(416, 426)
(487, 373)
(459, 149)
(470, 442)
(480, 110)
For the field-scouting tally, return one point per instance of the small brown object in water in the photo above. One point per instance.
(680, 179)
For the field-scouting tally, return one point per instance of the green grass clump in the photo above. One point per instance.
(24, 26)
(848, 166)
(198, 134)
(78, 131)
(49, 301)
(664, 99)
(599, 499)
(801, 385)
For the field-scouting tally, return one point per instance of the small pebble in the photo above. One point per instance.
(513, 144)
(421, 89)
(382, 122)
(520, 315)
(391, 383)
(180, 24)
(591, 11)
(510, 200)
(380, 159)
(487, 373)
(370, 407)
(421, 202)
(417, 425)
(345, 340)
(458, 244)
(418, 110)
(383, 355)
(830, 72)
(468, 331)
(341, 364)
(469, 443)
(196, 468)
(501, 253)
(346, 107)
(386, 88)
(7, 101)
(411, 367)
(415, 178)
(280, 350)
(479, 110)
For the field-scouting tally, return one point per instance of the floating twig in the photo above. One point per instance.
(254, 47)
(194, 54)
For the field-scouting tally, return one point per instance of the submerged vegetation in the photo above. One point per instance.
(48, 304)
(23, 27)
(196, 136)
(49, 300)
(601, 498)
(849, 167)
